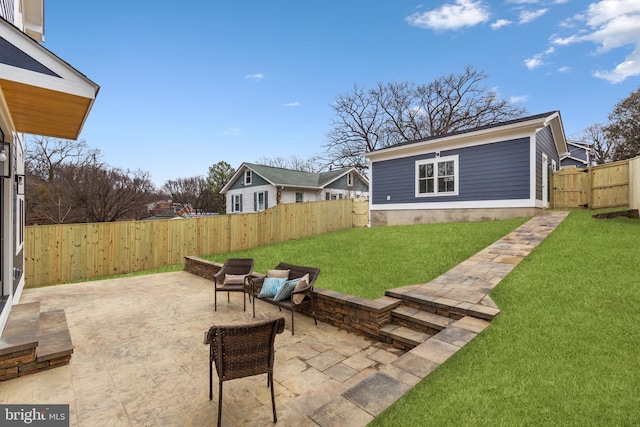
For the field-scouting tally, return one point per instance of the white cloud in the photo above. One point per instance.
(527, 16)
(622, 71)
(232, 132)
(256, 77)
(537, 60)
(500, 23)
(610, 24)
(564, 69)
(534, 62)
(452, 16)
(291, 104)
(518, 99)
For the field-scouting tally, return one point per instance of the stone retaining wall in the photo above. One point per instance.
(355, 314)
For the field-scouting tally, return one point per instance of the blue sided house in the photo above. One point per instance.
(580, 155)
(491, 172)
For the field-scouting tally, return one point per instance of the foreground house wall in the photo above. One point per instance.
(39, 94)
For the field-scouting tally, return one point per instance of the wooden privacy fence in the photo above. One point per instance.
(602, 186)
(71, 252)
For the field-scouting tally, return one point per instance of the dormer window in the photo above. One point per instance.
(247, 177)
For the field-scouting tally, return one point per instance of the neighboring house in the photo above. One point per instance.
(580, 155)
(39, 94)
(166, 209)
(255, 188)
(491, 172)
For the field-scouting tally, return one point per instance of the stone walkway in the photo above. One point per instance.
(139, 359)
(463, 289)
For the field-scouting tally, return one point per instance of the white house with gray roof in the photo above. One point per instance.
(254, 187)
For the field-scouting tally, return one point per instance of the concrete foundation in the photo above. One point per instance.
(432, 216)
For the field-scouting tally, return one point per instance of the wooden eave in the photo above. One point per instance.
(54, 103)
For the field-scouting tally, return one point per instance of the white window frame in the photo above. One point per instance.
(236, 199)
(261, 205)
(349, 180)
(247, 177)
(301, 197)
(434, 161)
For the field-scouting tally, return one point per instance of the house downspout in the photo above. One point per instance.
(279, 194)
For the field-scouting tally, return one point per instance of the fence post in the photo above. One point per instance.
(360, 213)
(634, 183)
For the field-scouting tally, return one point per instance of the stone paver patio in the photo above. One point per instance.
(139, 358)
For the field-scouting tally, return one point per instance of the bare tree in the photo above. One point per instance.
(48, 202)
(357, 129)
(310, 164)
(44, 155)
(623, 130)
(602, 148)
(192, 191)
(108, 195)
(367, 120)
(89, 193)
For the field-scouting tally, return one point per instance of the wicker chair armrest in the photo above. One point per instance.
(219, 275)
(257, 279)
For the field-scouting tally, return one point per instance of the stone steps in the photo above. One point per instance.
(423, 321)
(33, 341)
(424, 300)
(411, 327)
(402, 336)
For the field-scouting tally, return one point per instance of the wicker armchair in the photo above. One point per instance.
(240, 351)
(233, 267)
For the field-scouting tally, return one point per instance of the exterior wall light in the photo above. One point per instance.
(5, 159)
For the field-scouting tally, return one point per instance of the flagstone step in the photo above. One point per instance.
(420, 320)
(33, 341)
(55, 340)
(402, 336)
(21, 331)
(424, 300)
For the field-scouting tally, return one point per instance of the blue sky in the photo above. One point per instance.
(186, 85)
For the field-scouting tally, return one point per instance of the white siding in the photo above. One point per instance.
(346, 194)
(248, 195)
(289, 196)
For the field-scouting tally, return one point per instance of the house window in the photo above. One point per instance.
(349, 180)
(437, 177)
(260, 201)
(298, 197)
(236, 203)
(327, 196)
(247, 177)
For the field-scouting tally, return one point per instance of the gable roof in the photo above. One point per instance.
(31, 75)
(282, 177)
(551, 118)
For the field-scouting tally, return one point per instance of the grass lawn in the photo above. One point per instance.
(367, 261)
(564, 349)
